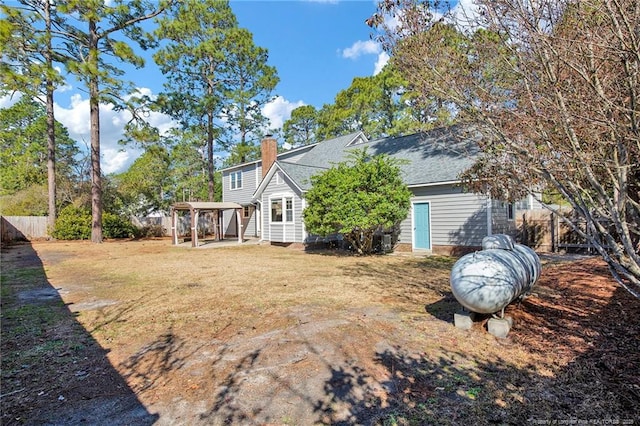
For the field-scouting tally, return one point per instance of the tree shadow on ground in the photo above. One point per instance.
(151, 365)
(53, 371)
(578, 333)
(226, 404)
(579, 317)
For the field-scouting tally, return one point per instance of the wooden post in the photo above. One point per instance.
(239, 222)
(216, 231)
(197, 219)
(174, 225)
(554, 234)
(194, 228)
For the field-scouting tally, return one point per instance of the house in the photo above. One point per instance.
(443, 217)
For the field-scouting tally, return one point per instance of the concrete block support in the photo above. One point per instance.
(499, 327)
(463, 319)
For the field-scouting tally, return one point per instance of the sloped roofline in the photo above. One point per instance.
(293, 150)
(272, 170)
(447, 182)
(267, 178)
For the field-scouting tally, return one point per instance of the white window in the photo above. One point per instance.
(282, 209)
(288, 204)
(236, 180)
(276, 210)
(279, 179)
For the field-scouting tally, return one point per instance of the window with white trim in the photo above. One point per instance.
(282, 210)
(288, 209)
(276, 210)
(236, 180)
(246, 212)
(279, 178)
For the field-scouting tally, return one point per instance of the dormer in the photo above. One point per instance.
(360, 138)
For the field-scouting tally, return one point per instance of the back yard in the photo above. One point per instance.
(140, 332)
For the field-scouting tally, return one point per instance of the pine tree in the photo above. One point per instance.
(218, 80)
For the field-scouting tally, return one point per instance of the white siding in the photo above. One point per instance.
(289, 232)
(457, 218)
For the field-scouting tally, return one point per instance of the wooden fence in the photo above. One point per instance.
(545, 231)
(21, 228)
(13, 228)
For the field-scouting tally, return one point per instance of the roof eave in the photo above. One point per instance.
(446, 182)
(263, 184)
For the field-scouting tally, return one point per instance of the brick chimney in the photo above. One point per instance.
(269, 149)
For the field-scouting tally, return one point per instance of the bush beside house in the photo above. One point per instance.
(358, 199)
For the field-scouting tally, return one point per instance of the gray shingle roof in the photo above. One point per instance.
(300, 173)
(440, 155)
(329, 152)
(436, 156)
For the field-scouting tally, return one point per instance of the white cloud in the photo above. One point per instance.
(66, 87)
(369, 47)
(9, 100)
(383, 58)
(118, 160)
(360, 48)
(465, 14)
(279, 110)
(114, 157)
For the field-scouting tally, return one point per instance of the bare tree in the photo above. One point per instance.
(555, 85)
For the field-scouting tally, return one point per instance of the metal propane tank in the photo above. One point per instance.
(488, 280)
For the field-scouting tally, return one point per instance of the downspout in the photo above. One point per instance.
(259, 219)
(304, 228)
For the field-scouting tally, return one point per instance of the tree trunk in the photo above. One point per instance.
(94, 108)
(210, 166)
(51, 158)
(51, 122)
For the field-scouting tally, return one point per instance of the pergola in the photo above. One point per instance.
(197, 207)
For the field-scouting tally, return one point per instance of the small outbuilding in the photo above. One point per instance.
(197, 207)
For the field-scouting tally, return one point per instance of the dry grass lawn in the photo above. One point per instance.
(140, 332)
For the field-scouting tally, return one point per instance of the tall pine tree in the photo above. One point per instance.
(91, 42)
(218, 80)
(26, 46)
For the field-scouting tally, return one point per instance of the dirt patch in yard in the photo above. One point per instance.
(140, 332)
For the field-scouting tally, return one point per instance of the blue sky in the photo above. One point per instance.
(317, 47)
(310, 42)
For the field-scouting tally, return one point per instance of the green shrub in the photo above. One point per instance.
(357, 198)
(114, 226)
(73, 223)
